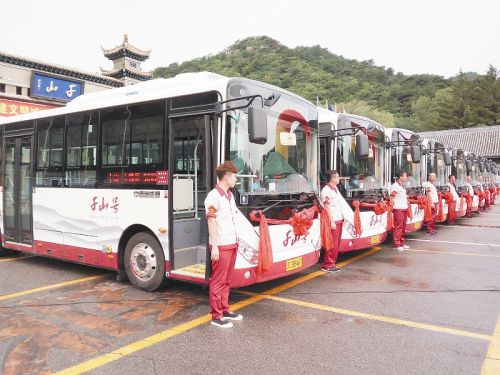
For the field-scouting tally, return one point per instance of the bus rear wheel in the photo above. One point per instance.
(145, 262)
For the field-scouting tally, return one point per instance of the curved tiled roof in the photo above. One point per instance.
(484, 141)
(126, 50)
(121, 72)
(58, 69)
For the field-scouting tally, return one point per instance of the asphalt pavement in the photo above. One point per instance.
(434, 309)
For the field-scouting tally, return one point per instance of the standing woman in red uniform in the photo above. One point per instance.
(222, 214)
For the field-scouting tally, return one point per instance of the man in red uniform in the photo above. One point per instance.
(400, 212)
(222, 214)
(470, 190)
(432, 195)
(456, 198)
(332, 201)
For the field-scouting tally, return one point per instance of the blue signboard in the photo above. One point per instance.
(49, 87)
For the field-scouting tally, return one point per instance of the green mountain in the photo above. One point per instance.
(314, 72)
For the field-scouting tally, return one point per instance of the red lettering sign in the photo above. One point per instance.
(14, 108)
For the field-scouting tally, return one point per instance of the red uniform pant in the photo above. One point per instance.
(398, 232)
(332, 254)
(222, 270)
(431, 225)
(468, 211)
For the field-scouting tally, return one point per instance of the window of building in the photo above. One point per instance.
(19, 90)
(2, 87)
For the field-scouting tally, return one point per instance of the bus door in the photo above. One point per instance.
(325, 151)
(191, 170)
(17, 203)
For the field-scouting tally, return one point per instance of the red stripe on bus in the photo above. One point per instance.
(70, 253)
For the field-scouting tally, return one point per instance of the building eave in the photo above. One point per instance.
(58, 69)
(121, 73)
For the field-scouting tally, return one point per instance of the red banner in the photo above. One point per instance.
(14, 108)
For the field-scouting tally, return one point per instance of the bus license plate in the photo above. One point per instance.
(293, 264)
(375, 239)
(417, 225)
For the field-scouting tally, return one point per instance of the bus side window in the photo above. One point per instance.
(50, 146)
(81, 149)
(132, 144)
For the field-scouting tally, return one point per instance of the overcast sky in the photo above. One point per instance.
(425, 36)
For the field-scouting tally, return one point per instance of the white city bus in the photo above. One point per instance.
(457, 169)
(472, 169)
(436, 160)
(361, 176)
(117, 179)
(405, 155)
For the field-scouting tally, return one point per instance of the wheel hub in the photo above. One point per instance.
(143, 261)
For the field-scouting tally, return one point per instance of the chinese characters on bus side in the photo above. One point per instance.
(101, 204)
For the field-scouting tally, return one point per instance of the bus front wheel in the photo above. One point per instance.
(145, 262)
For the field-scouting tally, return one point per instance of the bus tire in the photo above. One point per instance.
(2, 251)
(145, 262)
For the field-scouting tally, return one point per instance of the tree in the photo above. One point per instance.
(489, 96)
(421, 101)
(424, 113)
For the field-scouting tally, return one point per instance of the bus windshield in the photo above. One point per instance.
(458, 168)
(474, 173)
(403, 162)
(460, 173)
(436, 165)
(361, 173)
(288, 161)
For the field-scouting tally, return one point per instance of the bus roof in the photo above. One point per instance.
(325, 115)
(181, 84)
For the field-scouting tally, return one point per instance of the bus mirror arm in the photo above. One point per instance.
(219, 106)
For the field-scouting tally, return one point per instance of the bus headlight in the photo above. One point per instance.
(248, 252)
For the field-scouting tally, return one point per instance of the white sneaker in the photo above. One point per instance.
(406, 247)
(228, 315)
(400, 248)
(221, 323)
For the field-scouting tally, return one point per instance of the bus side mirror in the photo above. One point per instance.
(468, 165)
(447, 158)
(313, 124)
(361, 146)
(415, 154)
(481, 166)
(257, 125)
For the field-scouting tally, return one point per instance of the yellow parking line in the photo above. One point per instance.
(49, 287)
(11, 259)
(381, 318)
(159, 337)
(491, 365)
(454, 253)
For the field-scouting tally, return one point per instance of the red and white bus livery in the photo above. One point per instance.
(355, 147)
(117, 179)
(405, 155)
